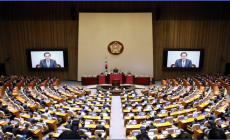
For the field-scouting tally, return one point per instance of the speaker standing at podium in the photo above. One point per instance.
(115, 70)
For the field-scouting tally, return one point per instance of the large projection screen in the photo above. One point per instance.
(97, 30)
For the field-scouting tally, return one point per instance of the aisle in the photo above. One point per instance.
(117, 129)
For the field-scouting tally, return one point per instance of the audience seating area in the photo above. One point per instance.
(31, 107)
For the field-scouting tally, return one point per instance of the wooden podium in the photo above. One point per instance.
(116, 82)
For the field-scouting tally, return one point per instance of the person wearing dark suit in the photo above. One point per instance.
(7, 128)
(151, 126)
(100, 137)
(69, 125)
(189, 127)
(32, 120)
(206, 119)
(100, 127)
(183, 62)
(83, 127)
(212, 116)
(42, 102)
(47, 62)
(27, 132)
(154, 117)
(129, 73)
(115, 70)
(16, 130)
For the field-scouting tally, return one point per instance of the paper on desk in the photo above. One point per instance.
(88, 116)
(161, 136)
(128, 126)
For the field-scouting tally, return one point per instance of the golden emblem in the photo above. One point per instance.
(115, 47)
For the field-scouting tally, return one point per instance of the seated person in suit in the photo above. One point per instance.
(28, 132)
(115, 70)
(129, 73)
(153, 117)
(50, 136)
(131, 120)
(151, 126)
(100, 127)
(103, 110)
(205, 119)
(100, 137)
(83, 109)
(45, 127)
(100, 117)
(54, 115)
(183, 62)
(83, 127)
(47, 113)
(32, 120)
(212, 116)
(189, 127)
(7, 128)
(69, 125)
(16, 130)
(47, 62)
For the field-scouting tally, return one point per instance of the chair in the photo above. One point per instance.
(44, 116)
(195, 105)
(57, 122)
(70, 113)
(153, 130)
(181, 117)
(227, 135)
(18, 120)
(157, 121)
(217, 121)
(65, 129)
(37, 104)
(8, 134)
(18, 136)
(91, 121)
(2, 114)
(35, 114)
(169, 97)
(99, 131)
(25, 122)
(195, 126)
(169, 119)
(84, 130)
(206, 124)
(40, 127)
(170, 130)
(181, 100)
(190, 115)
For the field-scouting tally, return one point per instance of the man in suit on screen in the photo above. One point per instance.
(183, 62)
(47, 62)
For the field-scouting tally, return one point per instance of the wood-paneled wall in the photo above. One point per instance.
(55, 25)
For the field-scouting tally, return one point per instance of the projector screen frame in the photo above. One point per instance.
(65, 57)
(165, 58)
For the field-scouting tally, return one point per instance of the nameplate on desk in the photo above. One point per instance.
(159, 124)
(128, 126)
(127, 117)
(138, 117)
(88, 116)
(161, 136)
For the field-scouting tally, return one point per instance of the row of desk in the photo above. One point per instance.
(124, 79)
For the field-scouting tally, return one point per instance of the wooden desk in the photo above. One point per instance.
(184, 123)
(160, 127)
(142, 80)
(89, 80)
(198, 134)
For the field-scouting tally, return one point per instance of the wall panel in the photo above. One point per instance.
(49, 24)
